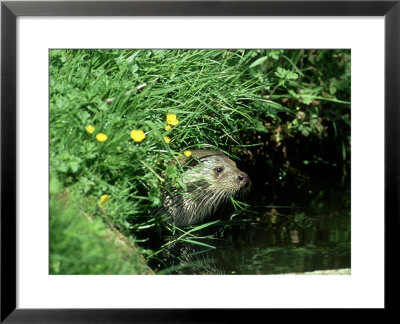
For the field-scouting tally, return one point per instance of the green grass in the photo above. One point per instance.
(222, 99)
(81, 243)
(201, 87)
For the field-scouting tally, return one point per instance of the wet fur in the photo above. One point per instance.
(207, 189)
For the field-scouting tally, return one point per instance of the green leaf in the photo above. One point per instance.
(74, 165)
(259, 126)
(275, 54)
(198, 243)
(259, 61)
(171, 171)
(286, 74)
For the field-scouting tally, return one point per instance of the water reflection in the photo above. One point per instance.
(294, 224)
(271, 240)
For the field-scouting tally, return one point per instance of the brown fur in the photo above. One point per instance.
(210, 183)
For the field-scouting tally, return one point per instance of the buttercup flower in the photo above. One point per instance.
(89, 129)
(101, 137)
(103, 200)
(187, 153)
(171, 119)
(167, 128)
(138, 135)
(167, 139)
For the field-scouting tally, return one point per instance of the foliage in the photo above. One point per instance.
(120, 118)
(81, 244)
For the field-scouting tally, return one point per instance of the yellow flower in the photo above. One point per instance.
(103, 200)
(187, 153)
(167, 139)
(101, 137)
(138, 135)
(167, 128)
(90, 129)
(171, 119)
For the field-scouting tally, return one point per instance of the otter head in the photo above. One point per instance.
(211, 178)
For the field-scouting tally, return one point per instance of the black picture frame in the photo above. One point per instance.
(10, 10)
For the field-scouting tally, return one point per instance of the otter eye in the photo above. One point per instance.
(218, 170)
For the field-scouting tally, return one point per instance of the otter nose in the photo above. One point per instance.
(243, 177)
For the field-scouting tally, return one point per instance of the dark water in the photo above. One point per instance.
(309, 233)
(293, 224)
(274, 241)
(263, 249)
(289, 226)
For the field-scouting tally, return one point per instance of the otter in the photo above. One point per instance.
(210, 182)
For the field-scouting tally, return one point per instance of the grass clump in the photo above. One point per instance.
(117, 119)
(81, 243)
